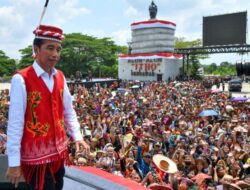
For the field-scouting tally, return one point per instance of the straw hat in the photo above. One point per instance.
(165, 164)
(82, 160)
(234, 119)
(107, 146)
(128, 138)
(149, 138)
(100, 151)
(247, 164)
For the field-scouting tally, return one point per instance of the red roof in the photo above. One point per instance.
(151, 54)
(153, 21)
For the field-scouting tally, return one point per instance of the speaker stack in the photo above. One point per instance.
(243, 68)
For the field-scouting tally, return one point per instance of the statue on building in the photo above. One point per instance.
(152, 11)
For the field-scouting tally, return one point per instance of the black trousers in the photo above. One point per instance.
(48, 180)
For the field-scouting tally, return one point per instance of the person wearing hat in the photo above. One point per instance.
(144, 160)
(36, 140)
(156, 148)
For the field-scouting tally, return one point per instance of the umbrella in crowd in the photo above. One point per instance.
(122, 90)
(135, 86)
(206, 113)
(177, 84)
(229, 108)
(216, 90)
(238, 99)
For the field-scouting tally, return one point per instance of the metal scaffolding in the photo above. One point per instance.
(214, 49)
(186, 52)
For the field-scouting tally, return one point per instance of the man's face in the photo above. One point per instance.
(48, 54)
(147, 159)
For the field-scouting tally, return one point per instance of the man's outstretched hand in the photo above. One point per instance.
(14, 174)
(85, 146)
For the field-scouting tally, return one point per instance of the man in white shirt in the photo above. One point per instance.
(40, 107)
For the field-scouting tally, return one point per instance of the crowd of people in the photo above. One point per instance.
(156, 134)
(4, 106)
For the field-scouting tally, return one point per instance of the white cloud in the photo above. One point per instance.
(10, 21)
(131, 12)
(70, 9)
(121, 37)
(60, 12)
(19, 19)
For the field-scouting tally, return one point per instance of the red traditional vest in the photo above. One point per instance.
(44, 138)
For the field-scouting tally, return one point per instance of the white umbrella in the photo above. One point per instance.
(177, 84)
(229, 108)
(135, 86)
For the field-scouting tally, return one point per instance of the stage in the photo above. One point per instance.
(78, 178)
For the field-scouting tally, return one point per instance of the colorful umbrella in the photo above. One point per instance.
(135, 86)
(206, 113)
(216, 90)
(123, 90)
(239, 99)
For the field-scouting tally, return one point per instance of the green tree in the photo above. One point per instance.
(26, 57)
(224, 69)
(182, 43)
(208, 69)
(194, 67)
(7, 65)
(225, 64)
(82, 53)
(194, 63)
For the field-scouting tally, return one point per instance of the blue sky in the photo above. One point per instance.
(109, 18)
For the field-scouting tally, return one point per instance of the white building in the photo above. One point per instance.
(151, 57)
(149, 67)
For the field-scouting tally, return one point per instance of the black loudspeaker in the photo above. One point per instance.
(247, 69)
(243, 68)
(4, 183)
(239, 69)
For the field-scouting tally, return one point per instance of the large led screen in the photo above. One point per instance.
(225, 29)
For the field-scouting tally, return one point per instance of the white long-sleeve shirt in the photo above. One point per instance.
(18, 103)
